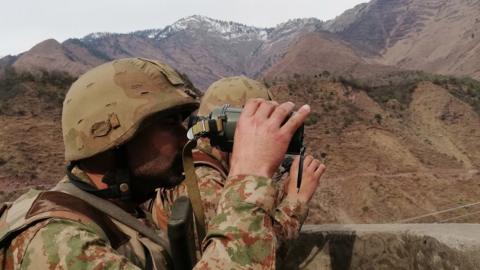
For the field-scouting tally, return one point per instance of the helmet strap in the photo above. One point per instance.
(117, 180)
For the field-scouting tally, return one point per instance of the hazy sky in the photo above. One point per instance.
(24, 23)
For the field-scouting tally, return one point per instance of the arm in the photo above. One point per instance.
(64, 244)
(290, 212)
(293, 209)
(210, 183)
(287, 217)
(241, 235)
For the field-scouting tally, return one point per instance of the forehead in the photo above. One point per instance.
(169, 122)
(164, 118)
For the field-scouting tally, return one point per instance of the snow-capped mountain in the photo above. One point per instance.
(201, 24)
(204, 48)
(433, 35)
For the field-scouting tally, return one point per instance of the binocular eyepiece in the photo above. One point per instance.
(220, 127)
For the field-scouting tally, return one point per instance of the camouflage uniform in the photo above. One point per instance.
(212, 166)
(240, 236)
(287, 218)
(41, 233)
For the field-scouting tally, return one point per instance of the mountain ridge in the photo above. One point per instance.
(406, 34)
(397, 143)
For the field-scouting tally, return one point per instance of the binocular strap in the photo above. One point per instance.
(191, 181)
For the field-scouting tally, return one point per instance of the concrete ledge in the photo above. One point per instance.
(384, 246)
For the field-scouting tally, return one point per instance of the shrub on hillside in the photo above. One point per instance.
(400, 86)
(51, 86)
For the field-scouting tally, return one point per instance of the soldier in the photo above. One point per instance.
(212, 165)
(123, 135)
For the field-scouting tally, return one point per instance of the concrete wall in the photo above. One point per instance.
(384, 246)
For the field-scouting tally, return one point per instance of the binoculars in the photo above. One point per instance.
(220, 127)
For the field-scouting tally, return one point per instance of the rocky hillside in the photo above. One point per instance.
(440, 36)
(393, 151)
(397, 143)
(318, 52)
(30, 109)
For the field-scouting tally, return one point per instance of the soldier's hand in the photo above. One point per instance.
(313, 170)
(261, 139)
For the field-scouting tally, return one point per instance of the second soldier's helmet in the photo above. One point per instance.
(232, 90)
(105, 107)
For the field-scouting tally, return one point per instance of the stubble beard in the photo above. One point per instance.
(155, 174)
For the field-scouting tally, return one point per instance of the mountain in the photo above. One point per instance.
(439, 36)
(206, 49)
(316, 52)
(278, 43)
(395, 151)
(51, 55)
(397, 143)
(6, 62)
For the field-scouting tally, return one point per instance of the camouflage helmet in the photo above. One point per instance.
(232, 90)
(105, 107)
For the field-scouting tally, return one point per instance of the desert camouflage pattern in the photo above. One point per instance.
(70, 240)
(63, 244)
(105, 106)
(286, 218)
(241, 235)
(232, 90)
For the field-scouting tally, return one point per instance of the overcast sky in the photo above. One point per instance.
(24, 23)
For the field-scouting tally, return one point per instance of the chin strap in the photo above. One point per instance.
(191, 182)
(118, 180)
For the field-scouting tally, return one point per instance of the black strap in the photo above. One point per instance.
(112, 192)
(117, 180)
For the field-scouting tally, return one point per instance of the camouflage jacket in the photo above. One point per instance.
(240, 235)
(212, 170)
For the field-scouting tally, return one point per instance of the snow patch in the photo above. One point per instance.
(97, 35)
(225, 29)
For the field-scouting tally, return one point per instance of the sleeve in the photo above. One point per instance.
(241, 235)
(288, 219)
(210, 183)
(288, 216)
(64, 244)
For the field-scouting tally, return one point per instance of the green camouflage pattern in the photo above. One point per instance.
(105, 106)
(287, 217)
(232, 90)
(63, 244)
(241, 234)
(67, 240)
(17, 211)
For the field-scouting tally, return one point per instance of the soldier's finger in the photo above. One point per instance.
(265, 109)
(294, 167)
(319, 171)
(251, 107)
(313, 166)
(307, 161)
(281, 113)
(296, 120)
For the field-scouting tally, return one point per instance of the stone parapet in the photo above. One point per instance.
(384, 246)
